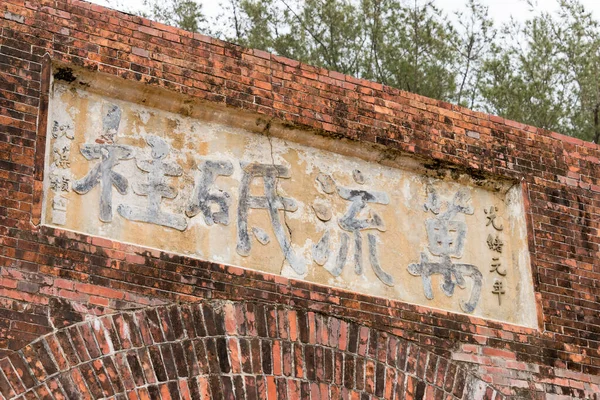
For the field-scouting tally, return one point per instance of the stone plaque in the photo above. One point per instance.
(210, 189)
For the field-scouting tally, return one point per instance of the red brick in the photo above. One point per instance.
(506, 354)
(67, 267)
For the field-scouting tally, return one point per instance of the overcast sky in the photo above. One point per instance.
(500, 10)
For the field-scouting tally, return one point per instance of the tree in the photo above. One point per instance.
(547, 75)
(523, 78)
(476, 34)
(410, 47)
(328, 34)
(544, 72)
(186, 14)
(580, 39)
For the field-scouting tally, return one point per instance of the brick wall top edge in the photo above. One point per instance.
(339, 76)
(157, 29)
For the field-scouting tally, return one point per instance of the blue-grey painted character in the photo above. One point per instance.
(271, 202)
(351, 222)
(446, 239)
(103, 174)
(110, 123)
(109, 153)
(64, 130)
(205, 195)
(155, 188)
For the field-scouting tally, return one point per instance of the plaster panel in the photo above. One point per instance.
(207, 186)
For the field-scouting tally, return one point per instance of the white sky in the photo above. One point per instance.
(500, 10)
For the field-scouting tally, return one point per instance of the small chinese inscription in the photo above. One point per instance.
(61, 157)
(59, 179)
(496, 266)
(499, 290)
(59, 183)
(491, 218)
(62, 130)
(495, 243)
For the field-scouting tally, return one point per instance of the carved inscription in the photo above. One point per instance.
(206, 196)
(491, 218)
(271, 202)
(495, 244)
(351, 222)
(499, 290)
(446, 239)
(59, 183)
(155, 188)
(224, 194)
(59, 177)
(102, 174)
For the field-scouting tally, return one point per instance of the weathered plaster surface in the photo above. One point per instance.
(178, 185)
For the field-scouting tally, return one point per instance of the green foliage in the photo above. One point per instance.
(523, 79)
(544, 72)
(476, 35)
(186, 14)
(330, 34)
(411, 47)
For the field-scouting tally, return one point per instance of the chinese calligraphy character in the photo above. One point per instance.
(59, 210)
(498, 290)
(61, 157)
(59, 183)
(446, 239)
(496, 266)
(103, 174)
(155, 188)
(495, 244)
(59, 203)
(351, 222)
(110, 123)
(491, 218)
(271, 202)
(59, 131)
(205, 197)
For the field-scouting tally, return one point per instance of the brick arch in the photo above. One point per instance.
(230, 350)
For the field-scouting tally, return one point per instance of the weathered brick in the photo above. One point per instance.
(59, 278)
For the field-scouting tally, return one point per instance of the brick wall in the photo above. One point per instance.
(51, 281)
(230, 350)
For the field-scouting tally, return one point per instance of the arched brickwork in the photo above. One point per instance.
(230, 350)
